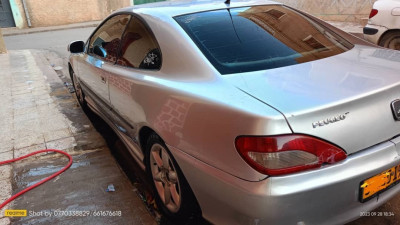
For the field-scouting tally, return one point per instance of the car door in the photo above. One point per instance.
(139, 55)
(102, 48)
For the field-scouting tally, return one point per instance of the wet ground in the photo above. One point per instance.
(42, 113)
(58, 200)
(100, 159)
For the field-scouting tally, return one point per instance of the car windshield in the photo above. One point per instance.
(238, 40)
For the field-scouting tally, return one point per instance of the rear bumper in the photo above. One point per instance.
(370, 31)
(373, 33)
(329, 195)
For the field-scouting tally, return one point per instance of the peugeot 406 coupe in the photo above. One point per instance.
(246, 112)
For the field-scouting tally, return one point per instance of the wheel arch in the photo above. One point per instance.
(70, 70)
(144, 134)
(386, 33)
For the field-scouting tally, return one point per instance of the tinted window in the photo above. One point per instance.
(261, 37)
(139, 48)
(105, 42)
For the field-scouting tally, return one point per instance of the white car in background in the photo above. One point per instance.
(383, 26)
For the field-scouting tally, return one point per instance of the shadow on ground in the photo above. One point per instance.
(132, 170)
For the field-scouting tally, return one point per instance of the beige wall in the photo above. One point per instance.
(334, 10)
(59, 12)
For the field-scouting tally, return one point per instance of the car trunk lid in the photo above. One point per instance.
(345, 99)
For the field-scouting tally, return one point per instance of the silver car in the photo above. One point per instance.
(247, 112)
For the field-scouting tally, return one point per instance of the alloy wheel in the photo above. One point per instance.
(165, 177)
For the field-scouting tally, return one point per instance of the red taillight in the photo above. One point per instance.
(277, 155)
(373, 13)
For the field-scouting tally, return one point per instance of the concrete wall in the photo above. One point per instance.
(59, 12)
(334, 10)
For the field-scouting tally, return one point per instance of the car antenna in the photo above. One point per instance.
(233, 25)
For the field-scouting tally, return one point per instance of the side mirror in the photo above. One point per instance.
(100, 51)
(76, 47)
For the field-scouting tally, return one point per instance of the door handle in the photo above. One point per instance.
(103, 79)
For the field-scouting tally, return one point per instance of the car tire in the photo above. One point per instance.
(391, 40)
(172, 192)
(78, 89)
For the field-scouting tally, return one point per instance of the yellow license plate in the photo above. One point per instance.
(377, 184)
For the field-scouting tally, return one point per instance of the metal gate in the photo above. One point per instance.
(6, 16)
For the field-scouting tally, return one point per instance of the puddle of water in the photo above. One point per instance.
(79, 164)
(40, 171)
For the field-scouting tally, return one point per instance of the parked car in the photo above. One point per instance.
(383, 26)
(246, 112)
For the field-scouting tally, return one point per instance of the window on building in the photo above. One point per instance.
(275, 13)
(314, 43)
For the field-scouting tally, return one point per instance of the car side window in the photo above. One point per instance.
(139, 48)
(105, 42)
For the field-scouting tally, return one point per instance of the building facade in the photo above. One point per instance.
(40, 13)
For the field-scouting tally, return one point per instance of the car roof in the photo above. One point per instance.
(181, 7)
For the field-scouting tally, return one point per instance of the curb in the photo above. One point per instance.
(16, 31)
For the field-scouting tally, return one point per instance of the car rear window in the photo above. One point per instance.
(238, 40)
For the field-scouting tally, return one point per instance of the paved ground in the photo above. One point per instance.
(53, 40)
(38, 112)
(12, 31)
